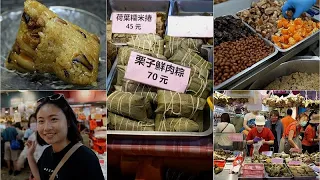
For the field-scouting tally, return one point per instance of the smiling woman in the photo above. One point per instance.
(66, 158)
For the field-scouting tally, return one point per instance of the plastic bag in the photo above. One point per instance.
(256, 148)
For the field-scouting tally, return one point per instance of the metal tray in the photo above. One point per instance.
(277, 47)
(208, 120)
(287, 68)
(268, 177)
(10, 21)
(233, 78)
(304, 177)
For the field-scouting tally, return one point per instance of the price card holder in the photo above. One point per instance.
(158, 73)
(190, 26)
(134, 22)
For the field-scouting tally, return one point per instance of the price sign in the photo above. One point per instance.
(134, 23)
(267, 153)
(236, 137)
(277, 160)
(193, 26)
(294, 163)
(155, 72)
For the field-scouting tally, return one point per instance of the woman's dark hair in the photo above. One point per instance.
(18, 125)
(309, 118)
(289, 112)
(237, 111)
(73, 134)
(30, 117)
(225, 118)
(275, 113)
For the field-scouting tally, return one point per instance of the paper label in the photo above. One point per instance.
(134, 23)
(237, 137)
(276, 160)
(267, 153)
(155, 72)
(294, 163)
(190, 26)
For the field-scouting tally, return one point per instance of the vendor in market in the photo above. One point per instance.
(287, 119)
(260, 133)
(310, 141)
(275, 125)
(238, 119)
(290, 139)
(249, 122)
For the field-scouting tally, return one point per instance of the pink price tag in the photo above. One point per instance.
(134, 23)
(294, 163)
(277, 160)
(155, 72)
(238, 137)
(267, 153)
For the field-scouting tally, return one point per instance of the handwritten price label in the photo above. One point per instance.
(134, 23)
(155, 72)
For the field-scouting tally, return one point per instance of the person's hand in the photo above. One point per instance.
(299, 7)
(264, 141)
(256, 139)
(31, 147)
(297, 150)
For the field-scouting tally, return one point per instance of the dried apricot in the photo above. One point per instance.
(298, 21)
(286, 46)
(284, 31)
(297, 37)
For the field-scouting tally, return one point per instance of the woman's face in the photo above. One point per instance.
(274, 118)
(52, 124)
(303, 119)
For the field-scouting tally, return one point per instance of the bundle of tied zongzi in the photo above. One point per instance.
(175, 43)
(121, 123)
(175, 124)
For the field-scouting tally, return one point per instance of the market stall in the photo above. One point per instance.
(150, 114)
(263, 25)
(237, 162)
(88, 106)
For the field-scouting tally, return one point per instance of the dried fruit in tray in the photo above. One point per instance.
(230, 58)
(292, 31)
(263, 16)
(46, 43)
(228, 28)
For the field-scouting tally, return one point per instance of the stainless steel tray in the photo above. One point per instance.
(207, 122)
(268, 177)
(304, 177)
(295, 45)
(233, 78)
(287, 68)
(10, 22)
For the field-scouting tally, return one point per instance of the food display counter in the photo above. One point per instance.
(271, 29)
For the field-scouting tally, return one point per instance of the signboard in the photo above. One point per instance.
(158, 73)
(134, 23)
(190, 26)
